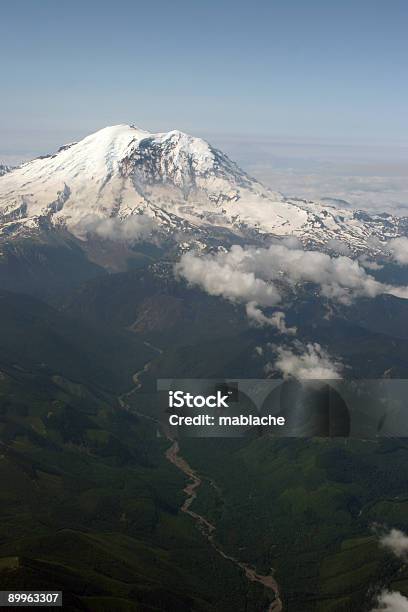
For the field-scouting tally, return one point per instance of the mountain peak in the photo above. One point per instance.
(180, 181)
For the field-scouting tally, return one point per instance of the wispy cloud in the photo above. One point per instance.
(397, 542)
(371, 193)
(310, 361)
(258, 277)
(399, 250)
(391, 601)
(277, 319)
(223, 275)
(131, 229)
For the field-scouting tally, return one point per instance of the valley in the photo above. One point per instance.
(208, 529)
(130, 257)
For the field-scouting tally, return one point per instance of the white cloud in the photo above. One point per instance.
(249, 274)
(399, 292)
(309, 361)
(391, 601)
(399, 250)
(221, 275)
(339, 278)
(371, 192)
(277, 319)
(339, 247)
(291, 242)
(368, 264)
(131, 229)
(397, 542)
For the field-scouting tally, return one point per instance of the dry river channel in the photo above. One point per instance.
(207, 528)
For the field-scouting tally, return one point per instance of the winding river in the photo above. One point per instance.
(207, 528)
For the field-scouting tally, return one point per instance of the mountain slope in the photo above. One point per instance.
(89, 503)
(178, 182)
(39, 339)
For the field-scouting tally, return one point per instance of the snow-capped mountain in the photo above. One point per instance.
(179, 181)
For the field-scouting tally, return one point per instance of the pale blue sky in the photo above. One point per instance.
(294, 69)
(308, 95)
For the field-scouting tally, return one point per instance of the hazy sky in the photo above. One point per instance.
(294, 72)
(296, 68)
